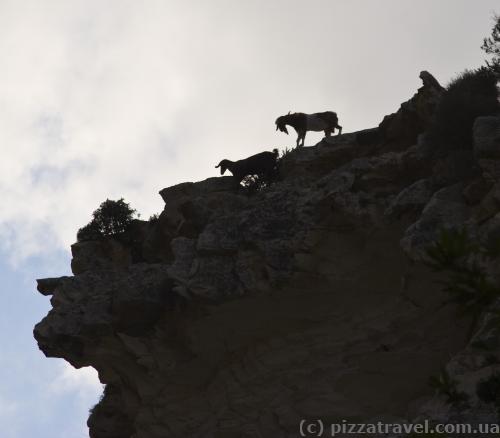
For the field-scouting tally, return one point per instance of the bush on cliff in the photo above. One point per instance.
(110, 219)
(253, 184)
(491, 46)
(471, 94)
(468, 283)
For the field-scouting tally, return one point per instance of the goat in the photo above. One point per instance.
(263, 165)
(326, 121)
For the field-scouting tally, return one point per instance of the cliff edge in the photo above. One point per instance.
(237, 316)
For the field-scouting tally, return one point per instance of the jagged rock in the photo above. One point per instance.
(313, 162)
(46, 286)
(363, 138)
(413, 117)
(172, 195)
(472, 365)
(489, 206)
(192, 320)
(486, 134)
(455, 167)
(94, 304)
(184, 206)
(489, 235)
(487, 336)
(490, 169)
(476, 190)
(108, 253)
(412, 198)
(430, 81)
(446, 209)
(368, 136)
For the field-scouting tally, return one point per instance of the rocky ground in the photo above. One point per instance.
(236, 315)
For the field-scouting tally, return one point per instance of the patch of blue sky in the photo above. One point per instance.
(37, 396)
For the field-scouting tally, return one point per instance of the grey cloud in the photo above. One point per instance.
(122, 98)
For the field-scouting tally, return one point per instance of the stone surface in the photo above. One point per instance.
(412, 198)
(402, 128)
(446, 209)
(104, 254)
(476, 190)
(489, 205)
(236, 315)
(46, 286)
(486, 133)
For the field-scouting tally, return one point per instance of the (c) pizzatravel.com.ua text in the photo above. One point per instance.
(320, 428)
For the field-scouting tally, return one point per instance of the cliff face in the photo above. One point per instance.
(238, 316)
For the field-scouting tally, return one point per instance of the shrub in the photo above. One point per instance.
(255, 183)
(491, 46)
(90, 231)
(472, 291)
(451, 247)
(110, 219)
(471, 94)
(467, 284)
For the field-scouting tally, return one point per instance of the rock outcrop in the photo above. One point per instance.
(237, 316)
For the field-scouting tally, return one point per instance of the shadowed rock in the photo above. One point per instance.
(238, 316)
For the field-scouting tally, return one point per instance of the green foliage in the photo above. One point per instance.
(112, 218)
(471, 290)
(444, 385)
(91, 231)
(255, 183)
(471, 94)
(467, 284)
(451, 247)
(488, 390)
(491, 46)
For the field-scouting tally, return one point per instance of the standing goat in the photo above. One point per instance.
(263, 164)
(326, 121)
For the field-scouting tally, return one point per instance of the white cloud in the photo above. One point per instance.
(80, 385)
(123, 98)
(84, 382)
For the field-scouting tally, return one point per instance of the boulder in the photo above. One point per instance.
(446, 209)
(411, 199)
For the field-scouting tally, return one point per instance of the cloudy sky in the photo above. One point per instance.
(118, 98)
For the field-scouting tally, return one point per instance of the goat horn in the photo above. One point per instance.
(288, 113)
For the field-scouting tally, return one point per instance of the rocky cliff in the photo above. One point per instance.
(237, 315)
